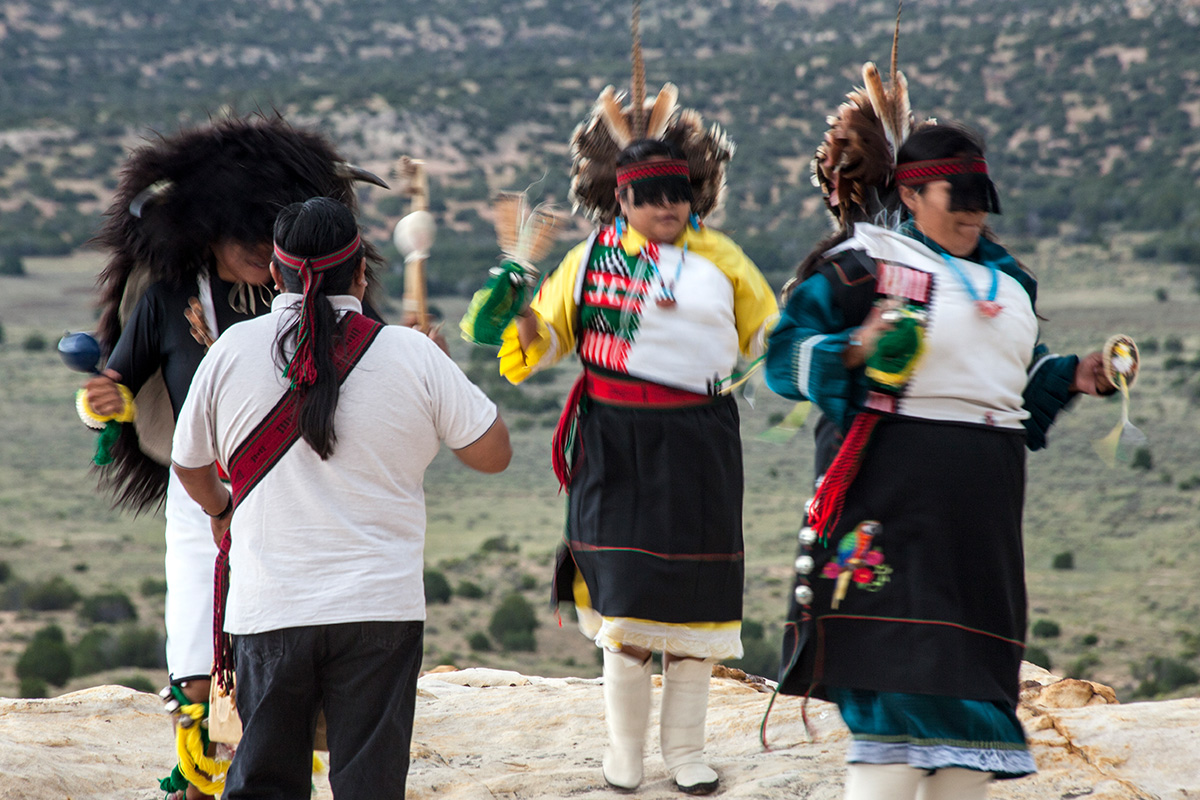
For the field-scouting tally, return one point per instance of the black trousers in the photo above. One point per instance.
(364, 676)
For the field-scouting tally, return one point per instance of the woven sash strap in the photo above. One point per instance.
(254, 458)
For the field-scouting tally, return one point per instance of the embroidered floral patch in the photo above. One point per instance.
(858, 562)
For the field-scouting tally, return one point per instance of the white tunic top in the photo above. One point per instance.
(975, 367)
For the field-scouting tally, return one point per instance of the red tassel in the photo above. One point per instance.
(222, 642)
(826, 510)
(302, 369)
(565, 434)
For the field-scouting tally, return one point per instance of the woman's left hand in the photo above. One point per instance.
(1091, 377)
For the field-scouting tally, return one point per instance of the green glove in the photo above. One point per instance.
(494, 307)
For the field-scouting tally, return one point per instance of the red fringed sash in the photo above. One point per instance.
(611, 391)
(827, 505)
(563, 442)
(256, 455)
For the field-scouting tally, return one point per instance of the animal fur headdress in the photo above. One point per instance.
(612, 125)
(178, 195)
(855, 165)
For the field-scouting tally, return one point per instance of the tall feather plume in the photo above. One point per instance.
(637, 85)
(854, 164)
(597, 141)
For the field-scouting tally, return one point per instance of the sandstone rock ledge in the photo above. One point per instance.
(487, 734)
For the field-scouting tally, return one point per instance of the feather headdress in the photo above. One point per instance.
(178, 195)
(855, 164)
(615, 123)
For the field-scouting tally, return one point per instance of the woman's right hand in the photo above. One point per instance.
(103, 396)
(865, 338)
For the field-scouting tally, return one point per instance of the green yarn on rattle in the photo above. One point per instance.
(897, 352)
(496, 305)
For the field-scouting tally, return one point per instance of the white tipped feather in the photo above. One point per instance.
(614, 118)
(660, 114)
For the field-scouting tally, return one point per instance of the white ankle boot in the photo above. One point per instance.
(626, 711)
(684, 707)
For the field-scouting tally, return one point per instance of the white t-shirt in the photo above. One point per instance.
(325, 542)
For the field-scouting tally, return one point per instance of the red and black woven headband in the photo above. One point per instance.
(319, 263)
(916, 173)
(656, 168)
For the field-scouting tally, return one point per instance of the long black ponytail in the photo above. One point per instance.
(311, 230)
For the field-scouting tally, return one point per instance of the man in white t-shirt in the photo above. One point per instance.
(326, 603)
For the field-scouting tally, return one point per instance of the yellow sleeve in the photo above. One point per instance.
(556, 314)
(755, 309)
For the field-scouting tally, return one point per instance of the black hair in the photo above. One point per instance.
(317, 227)
(970, 192)
(656, 191)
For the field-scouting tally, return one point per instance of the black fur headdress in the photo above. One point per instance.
(178, 195)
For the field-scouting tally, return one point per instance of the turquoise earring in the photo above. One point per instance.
(694, 221)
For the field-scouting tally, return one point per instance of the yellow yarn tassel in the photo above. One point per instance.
(193, 763)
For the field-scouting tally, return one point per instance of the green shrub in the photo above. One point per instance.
(139, 683)
(139, 647)
(34, 342)
(80, 567)
(479, 642)
(153, 587)
(46, 657)
(1187, 484)
(1173, 344)
(1148, 347)
(528, 582)
(1142, 459)
(498, 544)
(12, 264)
(513, 623)
(5, 571)
(519, 641)
(1046, 629)
(761, 657)
(1161, 295)
(34, 687)
(94, 652)
(437, 588)
(1039, 656)
(469, 590)
(1082, 667)
(55, 594)
(1063, 561)
(112, 607)
(752, 630)
(1159, 675)
(1089, 640)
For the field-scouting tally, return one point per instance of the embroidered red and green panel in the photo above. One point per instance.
(615, 287)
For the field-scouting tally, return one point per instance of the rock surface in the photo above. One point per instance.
(486, 734)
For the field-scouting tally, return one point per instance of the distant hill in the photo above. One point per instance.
(1092, 109)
